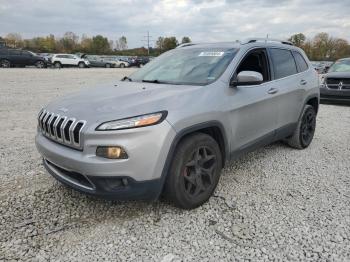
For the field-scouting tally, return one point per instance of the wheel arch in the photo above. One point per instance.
(314, 102)
(212, 128)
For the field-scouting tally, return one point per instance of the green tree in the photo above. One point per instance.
(169, 43)
(298, 39)
(100, 45)
(185, 40)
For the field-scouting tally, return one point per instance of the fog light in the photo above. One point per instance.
(111, 152)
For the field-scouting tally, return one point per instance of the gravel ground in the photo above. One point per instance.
(273, 204)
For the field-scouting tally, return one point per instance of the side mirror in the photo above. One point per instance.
(245, 78)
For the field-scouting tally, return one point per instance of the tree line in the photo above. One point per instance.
(321, 47)
(72, 43)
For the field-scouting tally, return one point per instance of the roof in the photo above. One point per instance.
(237, 43)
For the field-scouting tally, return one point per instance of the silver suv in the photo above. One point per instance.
(170, 127)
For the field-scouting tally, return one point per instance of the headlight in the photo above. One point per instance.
(133, 122)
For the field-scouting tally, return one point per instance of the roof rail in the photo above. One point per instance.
(185, 44)
(253, 40)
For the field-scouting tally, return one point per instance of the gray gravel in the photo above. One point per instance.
(273, 204)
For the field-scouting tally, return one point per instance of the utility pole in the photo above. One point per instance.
(148, 39)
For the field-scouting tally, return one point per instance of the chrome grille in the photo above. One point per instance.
(61, 129)
(338, 83)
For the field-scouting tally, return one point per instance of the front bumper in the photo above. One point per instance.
(334, 94)
(138, 177)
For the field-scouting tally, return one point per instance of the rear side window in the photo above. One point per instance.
(3, 51)
(301, 63)
(283, 63)
(15, 52)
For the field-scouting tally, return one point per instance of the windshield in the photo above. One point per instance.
(193, 66)
(340, 66)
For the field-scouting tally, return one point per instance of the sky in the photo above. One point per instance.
(201, 20)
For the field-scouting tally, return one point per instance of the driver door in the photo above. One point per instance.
(254, 107)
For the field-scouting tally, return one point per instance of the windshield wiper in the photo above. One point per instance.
(126, 78)
(156, 81)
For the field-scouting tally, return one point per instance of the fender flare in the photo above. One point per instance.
(181, 134)
(305, 103)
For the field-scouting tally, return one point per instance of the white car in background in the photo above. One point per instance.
(68, 60)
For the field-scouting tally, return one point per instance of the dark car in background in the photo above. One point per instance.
(138, 61)
(335, 85)
(16, 57)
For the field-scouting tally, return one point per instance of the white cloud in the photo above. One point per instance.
(202, 20)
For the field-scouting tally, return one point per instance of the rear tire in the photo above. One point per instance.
(122, 65)
(304, 133)
(108, 65)
(5, 63)
(194, 172)
(81, 65)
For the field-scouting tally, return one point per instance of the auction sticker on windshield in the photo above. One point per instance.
(211, 54)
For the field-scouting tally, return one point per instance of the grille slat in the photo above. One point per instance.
(62, 129)
(66, 130)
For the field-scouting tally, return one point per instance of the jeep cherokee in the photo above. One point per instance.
(170, 127)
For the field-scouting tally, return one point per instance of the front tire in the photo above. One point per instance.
(57, 65)
(304, 133)
(81, 65)
(122, 65)
(108, 65)
(40, 64)
(194, 172)
(5, 63)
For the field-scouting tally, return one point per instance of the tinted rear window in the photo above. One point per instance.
(283, 63)
(299, 59)
(15, 52)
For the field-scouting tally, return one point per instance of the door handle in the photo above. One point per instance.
(272, 91)
(303, 82)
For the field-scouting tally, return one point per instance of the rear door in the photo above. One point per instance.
(15, 57)
(286, 81)
(72, 60)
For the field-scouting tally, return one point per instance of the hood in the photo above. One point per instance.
(123, 99)
(338, 75)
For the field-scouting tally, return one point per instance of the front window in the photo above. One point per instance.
(193, 66)
(340, 66)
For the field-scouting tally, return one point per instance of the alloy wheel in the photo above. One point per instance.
(308, 127)
(198, 173)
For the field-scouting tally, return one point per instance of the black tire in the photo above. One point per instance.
(40, 64)
(5, 63)
(108, 65)
(57, 65)
(122, 65)
(194, 172)
(304, 133)
(81, 65)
